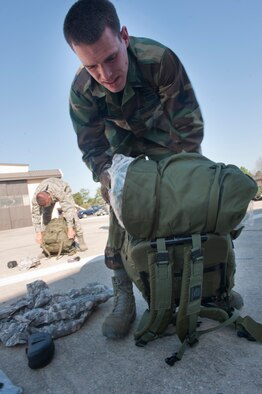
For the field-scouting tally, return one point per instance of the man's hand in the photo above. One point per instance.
(39, 238)
(105, 185)
(105, 179)
(71, 233)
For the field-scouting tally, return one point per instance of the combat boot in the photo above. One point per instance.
(81, 243)
(118, 323)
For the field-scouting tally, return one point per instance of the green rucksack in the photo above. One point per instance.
(184, 194)
(55, 239)
(181, 216)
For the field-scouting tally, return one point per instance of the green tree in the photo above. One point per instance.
(85, 195)
(78, 199)
(82, 198)
(245, 171)
(98, 197)
(97, 200)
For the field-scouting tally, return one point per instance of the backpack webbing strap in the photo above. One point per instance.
(195, 284)
(217, 314)
(45, 250)
(214, 200)
(60, 250)
(157, 318)
(247, 327)
(191, 291)
(163, 274)
(190, 298)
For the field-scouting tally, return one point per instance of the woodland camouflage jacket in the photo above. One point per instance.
(156, 114)
(59, 190)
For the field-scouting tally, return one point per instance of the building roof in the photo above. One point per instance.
(40, 174)
(14, 164)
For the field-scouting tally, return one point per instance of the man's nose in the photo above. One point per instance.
(106, 72)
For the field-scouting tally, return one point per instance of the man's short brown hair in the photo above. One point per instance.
(86, 21)
(43, 198)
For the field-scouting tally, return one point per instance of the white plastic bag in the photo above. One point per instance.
(117, 173)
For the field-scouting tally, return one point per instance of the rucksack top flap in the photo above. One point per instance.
(184, 194)
(139, 198)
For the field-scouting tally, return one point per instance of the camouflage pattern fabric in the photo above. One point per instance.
(116, 236)
(156, 114)
(57, 314)
(60, 192)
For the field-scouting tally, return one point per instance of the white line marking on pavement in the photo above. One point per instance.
(28, 275)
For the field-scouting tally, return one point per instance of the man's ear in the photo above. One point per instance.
(124, 35)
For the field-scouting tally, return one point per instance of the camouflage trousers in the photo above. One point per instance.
(116, 236)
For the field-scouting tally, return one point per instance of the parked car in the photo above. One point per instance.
(258, 197)
(101, 212)
(83, 213)
(94, 210)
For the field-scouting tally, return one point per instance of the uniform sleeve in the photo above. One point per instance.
(89, 129)
(63, 194)
(36, 216)
(179, 104)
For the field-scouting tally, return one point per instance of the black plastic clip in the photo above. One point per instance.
(196, 255)
(172, 359)
(162, 257)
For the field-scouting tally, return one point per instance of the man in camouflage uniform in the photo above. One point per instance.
(49, 192)
(131, 96)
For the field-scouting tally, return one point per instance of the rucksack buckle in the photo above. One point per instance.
(196, 255)
(162, 257)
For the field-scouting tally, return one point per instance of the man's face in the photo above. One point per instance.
(106, 60)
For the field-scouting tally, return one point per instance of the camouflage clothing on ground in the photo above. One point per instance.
(60, 192)
(57, 314)
(156, 114)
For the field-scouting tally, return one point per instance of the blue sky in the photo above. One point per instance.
(219, 43)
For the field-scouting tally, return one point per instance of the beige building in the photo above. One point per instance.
(258, 179)
(17, 187)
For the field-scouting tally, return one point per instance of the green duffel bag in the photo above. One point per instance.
(184, 194)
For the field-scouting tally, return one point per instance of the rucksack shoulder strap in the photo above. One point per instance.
(191, 292)
(156, 319)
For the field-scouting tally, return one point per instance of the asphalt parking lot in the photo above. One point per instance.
(87, 362)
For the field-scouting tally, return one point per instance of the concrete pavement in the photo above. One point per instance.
(87, 362)
(18, 244)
